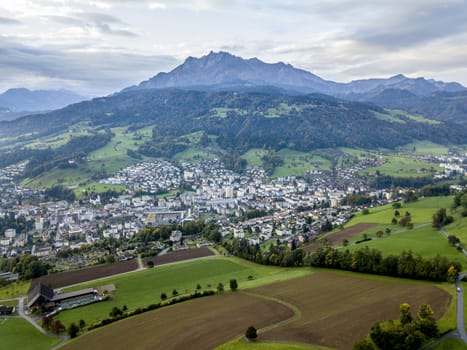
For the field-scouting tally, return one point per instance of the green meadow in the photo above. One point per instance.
(398, 166)
(16, 333)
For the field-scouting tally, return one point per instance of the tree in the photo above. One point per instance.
(220, 287)
(163, 296)
(82, 324)
(174, 292)
(452, 273)
(388, 231)
(150, 264)
(233, 285)
(58, 326)
(379, 234)
(251, 333)
(365, 211)
(405, 316)
(73, 330)
(115, 312)
(47, 322)
(198, 286)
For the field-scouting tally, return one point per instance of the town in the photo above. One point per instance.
(287, 210)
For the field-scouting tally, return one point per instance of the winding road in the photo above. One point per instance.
(460, 307)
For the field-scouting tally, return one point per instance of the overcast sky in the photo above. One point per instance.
(97, 47)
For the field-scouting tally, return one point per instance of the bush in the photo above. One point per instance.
(251, 333)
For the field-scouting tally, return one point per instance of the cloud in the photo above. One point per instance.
(413, 23)
(103, 23)
(93, 72)
(8, 21)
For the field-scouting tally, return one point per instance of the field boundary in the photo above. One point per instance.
(297, 314)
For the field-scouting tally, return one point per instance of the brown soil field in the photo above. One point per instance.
(62, 279)
(198, 324)
(338, 310)
(347, 233)
(180, 256)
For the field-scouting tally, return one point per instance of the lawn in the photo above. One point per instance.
(348, 302)
(16, 333)
(450, 344)
(145, 287)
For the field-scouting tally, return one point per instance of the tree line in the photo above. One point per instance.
(365, 260)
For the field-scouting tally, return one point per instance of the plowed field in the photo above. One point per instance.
(199, 324)
(337, 309)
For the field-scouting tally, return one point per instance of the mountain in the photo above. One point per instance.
(223, 71)
(23, 100)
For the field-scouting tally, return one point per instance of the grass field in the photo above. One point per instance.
(14, 290)
(347, 302)
(193, 155)
(145, 287)
(16, 333)
(403, 167)
(198, 324)
(425, 148)
(450, 344)
(299, 163)
(264, 345)
(423, 240)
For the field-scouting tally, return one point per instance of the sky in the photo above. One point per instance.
(97, 47)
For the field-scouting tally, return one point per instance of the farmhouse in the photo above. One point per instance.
(41, 295)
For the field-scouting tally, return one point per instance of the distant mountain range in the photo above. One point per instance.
(236, 105)
(223, 71)
(20, 101)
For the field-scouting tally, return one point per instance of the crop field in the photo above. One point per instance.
(350, 232)
(67, 278)
(16, 333)
(198, 324)
(142, 288)
(338, 309)
(180, 256)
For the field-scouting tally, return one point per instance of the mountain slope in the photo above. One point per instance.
(223, 71)
(20, 100)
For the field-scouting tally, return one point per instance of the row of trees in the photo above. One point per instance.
(275, 255)
(371, 261)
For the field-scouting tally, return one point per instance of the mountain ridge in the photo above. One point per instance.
(222, 70)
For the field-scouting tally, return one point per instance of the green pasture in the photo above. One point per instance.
(425, 241)
(421, 211)
(59, 176)
(253, 156)
(242, 344)
(425, 148)
(14, 290)
(16, 333)
(403, 167)
(299, 163)
(193, 155)
(112, 157)
(145, 287)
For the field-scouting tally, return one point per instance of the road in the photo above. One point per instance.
(460, 307)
